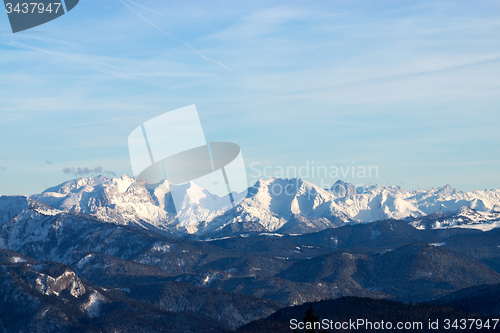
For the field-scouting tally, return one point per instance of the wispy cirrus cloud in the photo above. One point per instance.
(173, 37)
(151, 10)
(83, 59)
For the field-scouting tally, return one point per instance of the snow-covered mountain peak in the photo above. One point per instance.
(279, 193)
(496, 209)
(12, 205)
(343, 189)
(287, 186)
(271, 204)
(376, 189)
(446, 190)
(467, 211)
(120, 200)
(76, 184)
(121, 184)
(195, 193)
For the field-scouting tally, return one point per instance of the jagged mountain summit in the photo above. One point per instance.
(273, 205)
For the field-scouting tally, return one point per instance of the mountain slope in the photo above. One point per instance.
(415, 272)
(484, 299)
(49, 297)
(369, 310)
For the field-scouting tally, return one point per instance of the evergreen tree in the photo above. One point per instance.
(311, 318)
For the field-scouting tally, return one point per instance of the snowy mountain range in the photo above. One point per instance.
(274, 205)
(110, 253)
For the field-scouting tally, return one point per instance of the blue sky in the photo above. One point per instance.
(412, 88)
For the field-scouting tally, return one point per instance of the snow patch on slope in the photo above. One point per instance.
(93, 305)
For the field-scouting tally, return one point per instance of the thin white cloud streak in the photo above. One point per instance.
(105, 121)
(445, 68)
(94, 64)
(145, 7)
(117, 71)
(414, 75)
(48, 40)
(444, 79)
(263, 22)
(178, 40)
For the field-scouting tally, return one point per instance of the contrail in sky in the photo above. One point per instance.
(145, 7)
(166, 33)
